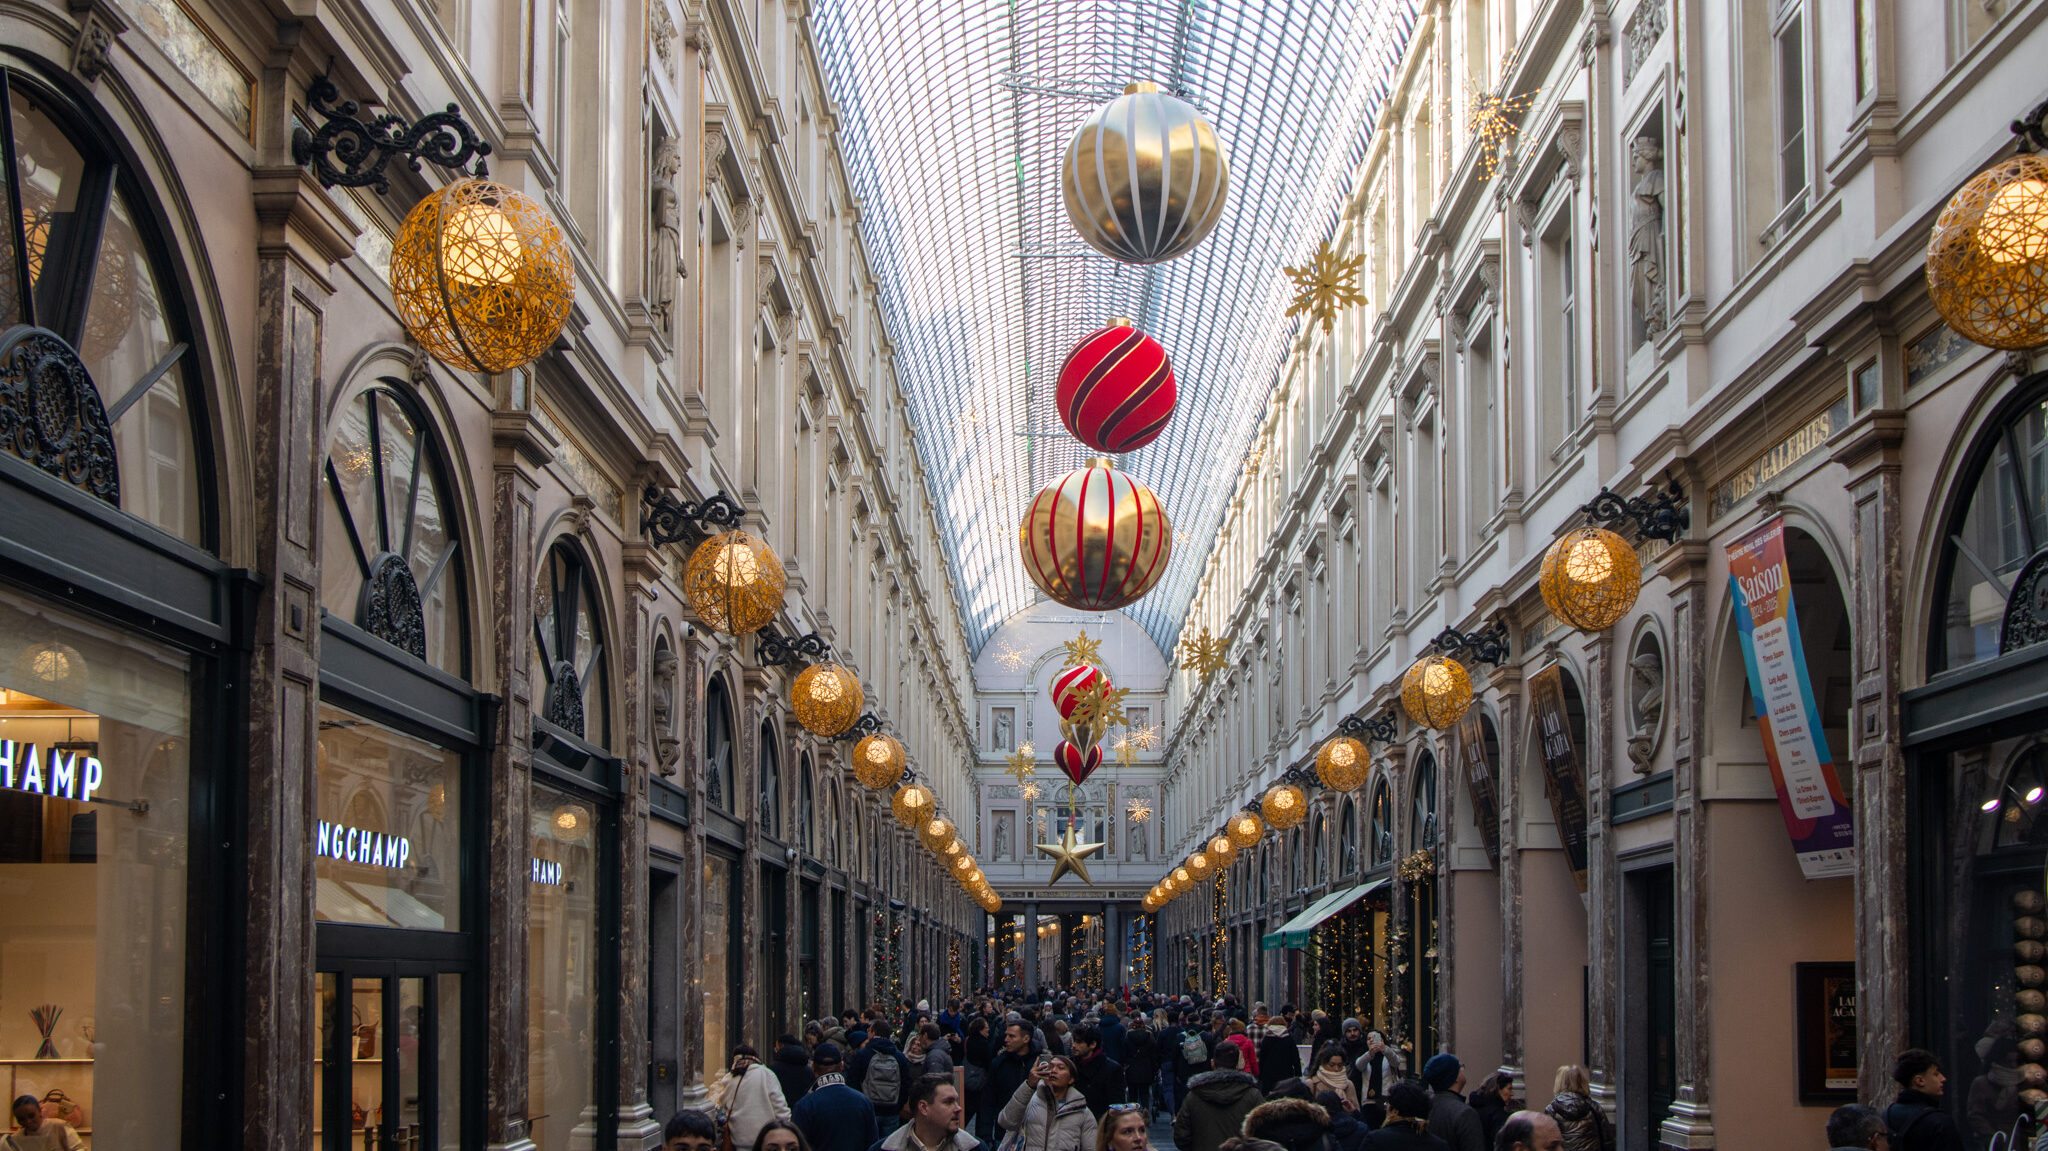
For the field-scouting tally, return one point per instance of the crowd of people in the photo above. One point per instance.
(1062, 1072)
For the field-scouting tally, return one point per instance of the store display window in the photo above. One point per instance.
(388, 840)
(562, 1011)
(95, 779)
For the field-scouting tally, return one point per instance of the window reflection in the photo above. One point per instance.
(561, 969)
(2004, 524)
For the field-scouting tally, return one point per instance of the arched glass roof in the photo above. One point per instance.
(955, 115)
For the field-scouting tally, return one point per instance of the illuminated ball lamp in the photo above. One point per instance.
(481, 277)
(734, 582)
(827, 699)
(914, 806)
(1436, 691)
(878, 761)
(939, 836)
(1198, 865)
(1343, 763)
(1183, 878)
(973, 879)
(1987, 257)
(1221, 850)
(1115, 392)
(569, 823)
(1284, 805)
(1244, 829)
(963, 866)
(1590, 578)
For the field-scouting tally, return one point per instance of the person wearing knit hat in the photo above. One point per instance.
(1451, 1119)
(1407, 1125)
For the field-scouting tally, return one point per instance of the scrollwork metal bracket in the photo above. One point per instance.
(863, 727)
(364, 148)
(1489, 644)
(666, 519)
(2032, 129)
(1382, 728)
(774, 649)
(1660, 515)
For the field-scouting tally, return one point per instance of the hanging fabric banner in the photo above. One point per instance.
(1468, 750)
(1563, 781)
(1809, 791)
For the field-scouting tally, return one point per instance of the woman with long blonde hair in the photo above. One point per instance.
(1584, 1124)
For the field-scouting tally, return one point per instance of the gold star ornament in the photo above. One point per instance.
(1325, 284)
(1082, 650)
(1023, 763)
(1204, 654)
(1068, 855)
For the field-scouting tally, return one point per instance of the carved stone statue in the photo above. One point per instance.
(1646, 706)
(1646, 234)
(667, 256)
(1005, 837)
(662, 709)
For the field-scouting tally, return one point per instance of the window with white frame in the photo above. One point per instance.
(1788, 43)
(1558, 339)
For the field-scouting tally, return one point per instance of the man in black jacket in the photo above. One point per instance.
(1916, 1120)
(1100, 1078)
(1005, 1072)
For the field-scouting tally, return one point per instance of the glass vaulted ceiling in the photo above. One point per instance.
(956, 114)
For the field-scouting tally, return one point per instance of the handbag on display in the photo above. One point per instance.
(63, 1108)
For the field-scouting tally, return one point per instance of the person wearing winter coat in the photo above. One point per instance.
(1585, 1126)
(1233, 1034)
(1006, 1069)
(1048, 1111)
(935, 1114)
(1451, 1119)
(1279, 1058)
(1916, 1119)
(1346, 1132)
(792, 1068)
(976, 1052)
(929, 1054)
(1141, 1065)
(1406, 1128)
(1099, 1078)
(1216, 1104)
(834, 1116)
(1493, 1103)
(1378, 1069)
(1293, 1124)
(751, 1096)
(1113, 1034)
(1330, 1076)
(883, 1089)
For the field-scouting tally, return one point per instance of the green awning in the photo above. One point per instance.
(1295, 932)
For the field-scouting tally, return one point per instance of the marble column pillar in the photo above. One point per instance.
(1603, 876)
(1112, 946)
(1506, 681)
(1690, 1123)
(1031, 976)
(637, 1126)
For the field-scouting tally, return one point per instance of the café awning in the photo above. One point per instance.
(1295, 932)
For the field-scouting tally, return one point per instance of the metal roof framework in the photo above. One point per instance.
(955, 116)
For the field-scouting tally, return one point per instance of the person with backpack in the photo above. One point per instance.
(1916, 1120)
(879, 1072)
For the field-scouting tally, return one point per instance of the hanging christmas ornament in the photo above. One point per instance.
(1284, 805)
(878, 761)
(1590, 578)
(1436, 691)
(1343, 764)
(913, 806)
(1244, 829)
(1221, 849)
(1070, 685)
(1204, 654)
(1069, 854)
(1198, 865)
(940, 837)
(1116, 391)
(1077, 763)
(1145, 177)
(481, 276)
(827, 698)
(1325, 285)
(1987, 258)
(734, 582)
(1095, 539)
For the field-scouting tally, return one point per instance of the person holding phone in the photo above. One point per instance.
(1047, 1112)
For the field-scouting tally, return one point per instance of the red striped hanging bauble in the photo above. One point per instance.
(1116, 389)
(1075, 762)
(1070, 683)
(1095, 539)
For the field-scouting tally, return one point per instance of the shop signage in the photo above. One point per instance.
(1468, 750)
(354, 845)
(1809, 791)
(546, 872)
(57, 774)
(1563, 781)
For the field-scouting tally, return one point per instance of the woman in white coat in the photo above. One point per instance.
(751, 1096)
(1048, 1113)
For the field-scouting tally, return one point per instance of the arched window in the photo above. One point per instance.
(1422, 817)
(718, 749)
(1347, 835)
(1380, 845)
(1293, 861)
(390, 560)
(2002, 524)
(1265, 878)
(806, 803)
(831, 836)
(768, 771)
(98, 280)
(1319, 849)
(568, 640)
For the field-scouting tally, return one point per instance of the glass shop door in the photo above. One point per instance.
(386, 1073)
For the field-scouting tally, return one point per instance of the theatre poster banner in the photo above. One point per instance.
(1468, 750)
(1809, 790)
(1563, 780)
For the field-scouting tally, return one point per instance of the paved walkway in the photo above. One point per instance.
(1162, 1134)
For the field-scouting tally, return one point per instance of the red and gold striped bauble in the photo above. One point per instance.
(1070, 683)
(1078, 764)
(1095, 539)
(1116, 389)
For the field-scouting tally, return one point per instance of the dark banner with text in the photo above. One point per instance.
(1468, 751)
(1563, 779)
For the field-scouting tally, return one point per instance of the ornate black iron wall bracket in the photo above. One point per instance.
(1382, 728)
(1656, 516)
(863, 727)
(2033, 129)
(364, 148)
(666, 519)
(774, 649)
(1487, 645)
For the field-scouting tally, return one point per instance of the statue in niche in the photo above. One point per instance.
(662, 709)
(1006, 835)
(667, 261)
(1646, 705)
(1646, 234)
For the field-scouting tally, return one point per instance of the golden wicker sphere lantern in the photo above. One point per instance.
(1183, 878)
(1144, 176)
(939, 837)
(1343, 763)
(1590, 578)
(1987, 257)
(914, 806)
(481, 276)
(878, 761)
(963, 866)
(734, 582)
(1284, 805)
(1199, 865)
(827, 698)
(972, 880)
(1436, 691)
(1221, 849)
(1244, 829)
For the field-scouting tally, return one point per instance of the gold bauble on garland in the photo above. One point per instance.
(1590, 578)
(1221, 849)
(1244, 829)
(913, 806)
(1343, 763)
(1095, 539)
(1182, 878)
(1436, 691)
(481, 276)
(734, 582)
(1987, 257)
(827, 699)
(878, 761)
(939, 836)
(1284, 805)
(963, 865)
(1198, 865)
